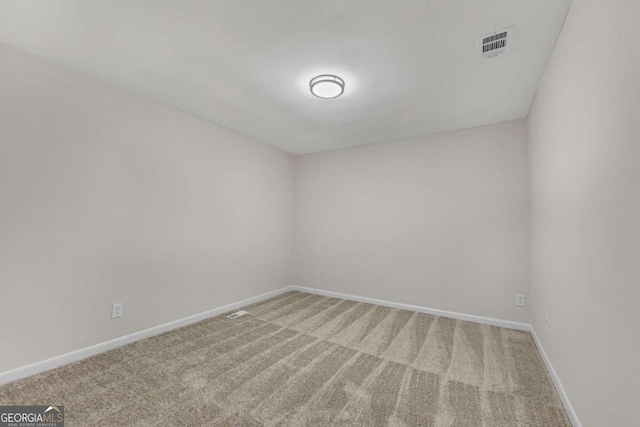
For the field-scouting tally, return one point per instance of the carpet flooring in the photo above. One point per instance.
(301, 359)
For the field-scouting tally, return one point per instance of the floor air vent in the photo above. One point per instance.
(237, 314)
(495, 44)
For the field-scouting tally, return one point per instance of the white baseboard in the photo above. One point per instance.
(468, 317)
(573, 417)
(83, 353)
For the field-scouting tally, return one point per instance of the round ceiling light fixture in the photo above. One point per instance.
(327, 86)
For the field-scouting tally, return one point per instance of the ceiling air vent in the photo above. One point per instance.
(494, 44)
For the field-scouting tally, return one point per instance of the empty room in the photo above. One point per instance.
(340, 213)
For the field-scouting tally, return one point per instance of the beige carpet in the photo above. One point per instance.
(301, 359)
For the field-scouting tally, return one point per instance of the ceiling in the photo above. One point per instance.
(410, 66)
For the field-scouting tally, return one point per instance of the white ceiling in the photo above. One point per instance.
(410, 65)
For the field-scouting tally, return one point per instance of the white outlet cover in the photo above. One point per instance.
(116, 310)
(521, 301)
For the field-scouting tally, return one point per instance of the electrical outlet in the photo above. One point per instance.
(520, 300)
(546, 322)
(116, 310)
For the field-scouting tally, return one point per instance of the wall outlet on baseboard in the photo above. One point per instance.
(116, 310)
(520, 300)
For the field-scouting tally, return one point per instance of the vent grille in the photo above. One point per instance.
(494, 44)
(237, 314)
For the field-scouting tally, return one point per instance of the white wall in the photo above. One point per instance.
(437, 221)
(108, 197)
(584, 133)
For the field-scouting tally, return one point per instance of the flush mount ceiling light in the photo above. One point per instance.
(327, 86)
